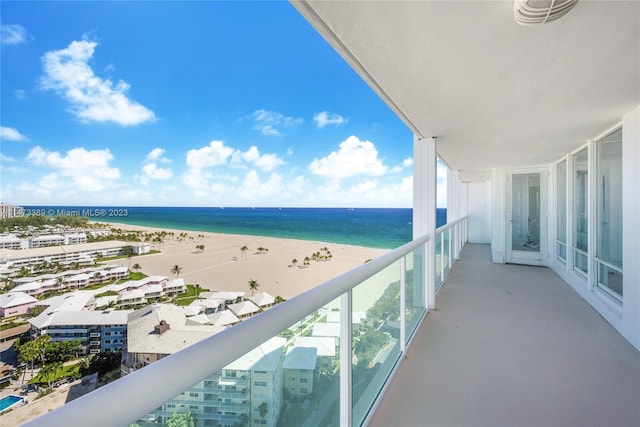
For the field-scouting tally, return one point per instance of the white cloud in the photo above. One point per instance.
(254, 190)
(13, 34)
(89, 170)
(4, 158)
(92, 99)
(325, 118)
(151, 171)
(156, 154)
(270, 122)
(363, 194)
(21, 94)
(354, 157)
(214, 154)
(408, 162)
(11, 134)
(265, 162)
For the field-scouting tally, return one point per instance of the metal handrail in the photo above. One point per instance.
(128, 399)
(449, 225)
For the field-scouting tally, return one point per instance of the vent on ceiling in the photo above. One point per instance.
(538, 12)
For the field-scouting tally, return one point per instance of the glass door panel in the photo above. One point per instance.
(525, 222)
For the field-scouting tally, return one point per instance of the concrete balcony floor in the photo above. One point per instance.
(513, 346)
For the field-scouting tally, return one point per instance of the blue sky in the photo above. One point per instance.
(189, 104)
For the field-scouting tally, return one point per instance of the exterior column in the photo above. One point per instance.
(424, 208)
(454, 210)
(631, 226)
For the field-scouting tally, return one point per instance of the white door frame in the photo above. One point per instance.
(525, 257)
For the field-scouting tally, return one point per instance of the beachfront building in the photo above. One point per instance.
(244, 310)
(11, 241)
(326, 351)
(11, 261)
(263, 300)
(15, 304)
(9, 211)
(69, 279)
(98, 331)
(229, 297)
(539, 318)
(158, 330)
(47, 240)
(247, 392)
(299, 367)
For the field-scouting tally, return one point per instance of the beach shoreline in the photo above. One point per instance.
(223, 266)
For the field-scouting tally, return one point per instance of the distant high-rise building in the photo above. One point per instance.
(9, 211)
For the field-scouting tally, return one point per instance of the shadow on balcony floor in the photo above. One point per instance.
(513, 346)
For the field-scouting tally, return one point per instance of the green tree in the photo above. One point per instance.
(28, 352)
(48, 372)
(24, 272)
(181, 419)
(136, 267)
(35, 310)
(253, 285)
(244, 250)
(263, 409)
(176, 269)
(41, 344)
(294, 262)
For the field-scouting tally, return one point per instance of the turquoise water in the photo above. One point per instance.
(370, 227)
(9, 401)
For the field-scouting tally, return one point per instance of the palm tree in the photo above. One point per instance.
(48, 372)
(244, 250)
(98, 277)
(294, 262)
(28, 352)
(176, 269)
(253, 285)
(136, 267)
(24, 272)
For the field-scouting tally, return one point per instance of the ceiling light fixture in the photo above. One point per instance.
(538, 12)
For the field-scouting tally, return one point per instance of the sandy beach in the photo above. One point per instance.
(222, 266)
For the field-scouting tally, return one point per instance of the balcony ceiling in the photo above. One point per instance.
(494, 93)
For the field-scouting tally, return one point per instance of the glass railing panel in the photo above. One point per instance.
(446, 253)
(277, 383)
(415, 290)
(376, 337)
(438, 266)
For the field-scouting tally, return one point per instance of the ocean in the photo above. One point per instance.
(384, 228)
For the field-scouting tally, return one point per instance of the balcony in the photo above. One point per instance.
(513, 345)
(506, 345)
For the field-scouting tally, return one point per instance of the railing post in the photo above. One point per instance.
(346, 362)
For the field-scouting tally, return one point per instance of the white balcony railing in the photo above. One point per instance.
(449, 241)
(377, 307)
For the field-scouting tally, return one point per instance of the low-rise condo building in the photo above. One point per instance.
(15, 304)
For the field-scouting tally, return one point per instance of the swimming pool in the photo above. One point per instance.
(8, 401)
